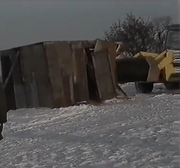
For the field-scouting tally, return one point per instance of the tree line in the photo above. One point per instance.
(137, 33)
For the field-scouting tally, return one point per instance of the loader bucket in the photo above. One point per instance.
(137, 69)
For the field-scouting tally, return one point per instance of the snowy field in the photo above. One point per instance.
(142, 132)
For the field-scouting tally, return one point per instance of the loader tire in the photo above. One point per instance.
(144, 87)
(172, 85)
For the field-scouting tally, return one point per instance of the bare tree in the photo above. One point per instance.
(115, 32)
(137, 33)
(161, 22)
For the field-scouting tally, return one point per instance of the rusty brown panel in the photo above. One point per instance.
(81, 82)
(55, 73)
(103, 75)
(40, 67)
(66, 63)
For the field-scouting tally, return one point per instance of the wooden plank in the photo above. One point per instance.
(81, 83)
(19, 90)
(84, 43)
(9, 89)
(76, 44)
(40, 68)
(103, 75)
(60, 71)
(66, 89)
(89, 44)
(55, 74)
(66, 63)
(81, 92)
(65, 56)
(111, 48)
(11, 70)
(26, 54)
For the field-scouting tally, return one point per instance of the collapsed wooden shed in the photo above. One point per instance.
(58, 74)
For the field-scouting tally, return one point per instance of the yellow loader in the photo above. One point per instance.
(146, 68)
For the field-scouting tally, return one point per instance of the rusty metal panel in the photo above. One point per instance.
(40, 68)
(26, 54)
(104, 75)
(60, 71)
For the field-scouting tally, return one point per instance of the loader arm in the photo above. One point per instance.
(149, 67)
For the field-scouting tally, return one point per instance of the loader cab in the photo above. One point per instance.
(170, 37)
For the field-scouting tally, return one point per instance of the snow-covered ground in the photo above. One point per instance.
(142, 132)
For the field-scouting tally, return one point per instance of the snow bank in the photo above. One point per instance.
(142, 132)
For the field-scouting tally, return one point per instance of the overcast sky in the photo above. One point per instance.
(23, 22)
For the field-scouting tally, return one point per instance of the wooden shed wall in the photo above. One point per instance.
(54, 74)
